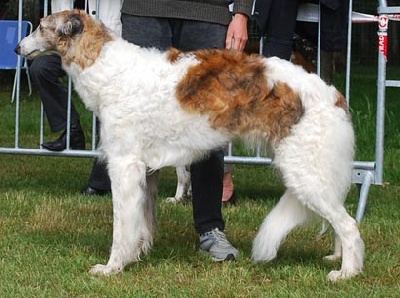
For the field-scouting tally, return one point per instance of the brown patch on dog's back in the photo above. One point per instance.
(233, 89)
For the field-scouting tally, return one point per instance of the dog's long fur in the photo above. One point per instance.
(170, 108)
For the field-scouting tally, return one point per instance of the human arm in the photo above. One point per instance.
(237, 36)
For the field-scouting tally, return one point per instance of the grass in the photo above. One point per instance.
(51, 235)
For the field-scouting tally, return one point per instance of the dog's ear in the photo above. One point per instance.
(71, 26)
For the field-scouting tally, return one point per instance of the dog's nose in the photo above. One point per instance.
(17, 49)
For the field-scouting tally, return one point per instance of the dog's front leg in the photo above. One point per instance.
(132, 231)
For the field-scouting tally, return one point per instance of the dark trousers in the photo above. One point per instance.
(46, 72)
(99, 178)
(277, 22)
(187, 35)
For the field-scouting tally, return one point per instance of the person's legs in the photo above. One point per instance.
(99, 182)
(228, 191)
(147, 31)
(195, 35)
(280, 29)
(46, 72)
(207, 175)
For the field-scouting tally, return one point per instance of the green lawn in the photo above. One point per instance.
(50, 235)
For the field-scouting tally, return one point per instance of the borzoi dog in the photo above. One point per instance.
(170, 108)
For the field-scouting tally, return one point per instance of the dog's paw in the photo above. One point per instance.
(337, 275)
(101, 269)
(332, 257)
(174, 200)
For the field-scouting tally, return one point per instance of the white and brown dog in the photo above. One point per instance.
(170, 108)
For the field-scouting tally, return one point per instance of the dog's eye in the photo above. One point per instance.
(40, 27)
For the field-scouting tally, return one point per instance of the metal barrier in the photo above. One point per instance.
(365, 173)
(40, 151)
(374, 175)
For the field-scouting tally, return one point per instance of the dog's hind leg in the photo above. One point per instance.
(150, 207)
(346, 228)
(322, 191)
(337, 251)
(183, 187)
(132, 227)
(286, 215)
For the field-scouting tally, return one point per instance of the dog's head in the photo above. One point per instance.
(53, 34)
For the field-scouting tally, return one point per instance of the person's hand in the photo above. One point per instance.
(237, 36)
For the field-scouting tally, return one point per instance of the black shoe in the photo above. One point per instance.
(90, 191)
(77, 140)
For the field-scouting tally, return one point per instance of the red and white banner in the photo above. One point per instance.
(383, 43)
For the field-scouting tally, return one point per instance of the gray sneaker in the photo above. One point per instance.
(215, 243)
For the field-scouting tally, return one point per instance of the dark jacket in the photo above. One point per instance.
(334, 20)
(213, 11)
